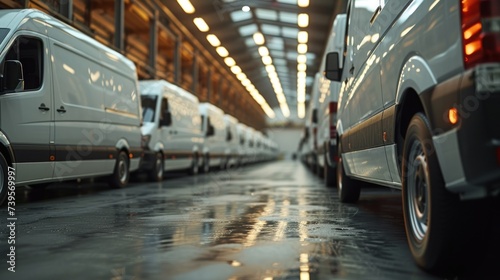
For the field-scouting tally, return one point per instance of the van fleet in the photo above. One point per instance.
(69, 106)
(171, 130)
(418, 111)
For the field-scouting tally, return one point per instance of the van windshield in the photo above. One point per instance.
(3, 33)
(148, 108)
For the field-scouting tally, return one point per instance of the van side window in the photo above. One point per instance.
(29, 51)
(164, 109)
(148, 108)
(229, 135)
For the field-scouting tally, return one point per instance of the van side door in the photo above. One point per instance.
(365, 104)
(27, 114)
(80, 125)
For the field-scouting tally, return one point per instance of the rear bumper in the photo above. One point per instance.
(468, 152)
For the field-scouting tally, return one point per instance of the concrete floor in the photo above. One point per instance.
(268, 221)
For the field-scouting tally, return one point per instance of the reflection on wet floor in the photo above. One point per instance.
(272, 221)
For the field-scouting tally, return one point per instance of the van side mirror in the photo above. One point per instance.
(333, 71)
(167, 119)
(13, 80)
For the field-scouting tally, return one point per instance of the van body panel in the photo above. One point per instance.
(62, 131)
(182, 138)
(215, 144)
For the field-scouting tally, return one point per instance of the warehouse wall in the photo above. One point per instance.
(287, 139)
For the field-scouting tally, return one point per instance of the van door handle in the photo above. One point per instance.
(42, 107)
(61, 110)
(351, 70)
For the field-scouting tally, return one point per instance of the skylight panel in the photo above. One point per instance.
(288, 17)
(248, 30)
(266, 14)
(237, 16)
(290, 32)
(270, 29)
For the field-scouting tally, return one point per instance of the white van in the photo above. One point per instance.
(418, 111)
(214, 130)
(234, 151)
(327, 98)
(171, 129)
(241, 129)
(69, 105)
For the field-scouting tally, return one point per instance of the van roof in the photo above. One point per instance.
(157, 87)
(15, 19)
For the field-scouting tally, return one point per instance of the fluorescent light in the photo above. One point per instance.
(201, 24)
(245, 9)
(301, 58)
(263, 51)
(186, 6)
(301, 110)
(303, 20)
(303, 3)
(236, 69)
(267, 60)
(285, 110)
(270, 68)
(245, 82)
(213, 40)
(250, 87)
(301, 67)
(258, 38)
(302, 37)
(229, 61)
(222, 51)
(241, 76)
(302, 48)
(301, 74)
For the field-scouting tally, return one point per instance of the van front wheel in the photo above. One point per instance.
(156, 173)
(121, 173)
(4, 175)
(195, 167)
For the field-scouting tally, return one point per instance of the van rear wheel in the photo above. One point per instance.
(121, 173)
(156, 173)
(330, 174)
(431, 213)
(348, 189)
(4, 182)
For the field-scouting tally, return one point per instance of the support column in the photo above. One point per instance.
(153, 43)
(177, 59)
(195, 73)
(120, 24)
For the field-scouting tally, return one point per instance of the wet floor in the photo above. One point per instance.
(268, 221)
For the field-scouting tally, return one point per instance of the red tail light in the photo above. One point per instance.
(480, 31)
(333, 120)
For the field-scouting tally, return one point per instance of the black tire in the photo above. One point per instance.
(194, 169)
(155, 174)
(121, 173)
(4, 179)
(330, 174)
(320, 170)
(431, 213)
(348, 189)
(206, 163)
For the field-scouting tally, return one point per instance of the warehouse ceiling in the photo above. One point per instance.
(235, 23)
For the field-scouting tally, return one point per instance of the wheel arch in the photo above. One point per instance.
(6, 149)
